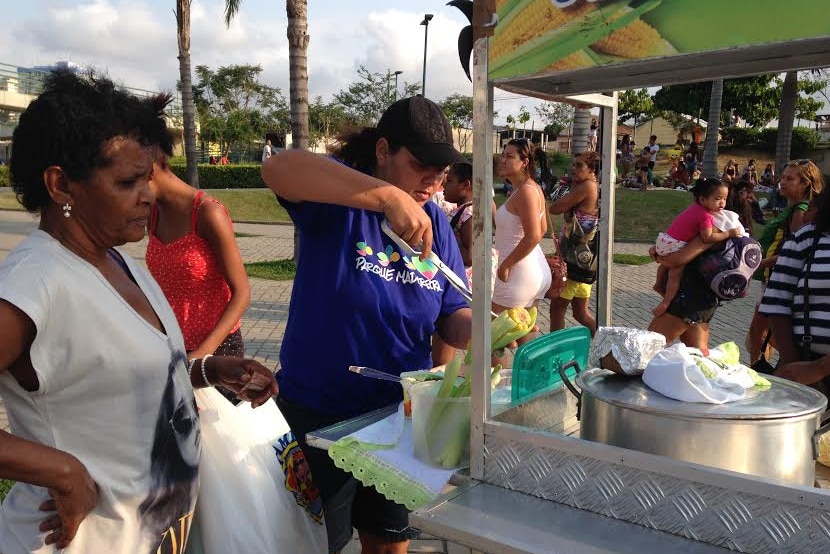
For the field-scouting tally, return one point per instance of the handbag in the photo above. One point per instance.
(762, 365)
(579, 252)
(558, 272)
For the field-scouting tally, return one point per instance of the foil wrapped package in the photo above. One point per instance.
(624, 350)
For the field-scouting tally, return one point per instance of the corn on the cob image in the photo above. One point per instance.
(531, 19)
(529, 42)
(636, 40)
(577, 60)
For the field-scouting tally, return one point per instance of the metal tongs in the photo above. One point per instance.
(457, 282)
(374, 373)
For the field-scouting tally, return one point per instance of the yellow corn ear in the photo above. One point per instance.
(637, 40)
(577, 60)
(537, 17)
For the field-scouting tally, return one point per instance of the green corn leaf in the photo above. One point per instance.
(538, 53)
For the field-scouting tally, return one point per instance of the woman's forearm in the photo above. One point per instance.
(233, 312)
(525, 247)
(326, 181)
(782, 330)
(692, 250)
(456, 328)
(37, 464)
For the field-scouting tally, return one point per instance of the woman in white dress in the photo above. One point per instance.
(523, 275)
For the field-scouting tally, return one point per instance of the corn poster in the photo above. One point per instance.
(548, 36)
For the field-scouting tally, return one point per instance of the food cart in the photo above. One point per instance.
(534, 485)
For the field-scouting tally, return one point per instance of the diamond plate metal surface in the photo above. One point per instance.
(735, 520)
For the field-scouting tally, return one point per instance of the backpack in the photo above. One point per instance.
(729, 270)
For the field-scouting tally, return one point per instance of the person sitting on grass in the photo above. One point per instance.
(705, 218)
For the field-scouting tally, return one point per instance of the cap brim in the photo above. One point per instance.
(436, 154)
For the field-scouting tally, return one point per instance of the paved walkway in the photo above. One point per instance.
(264, 321)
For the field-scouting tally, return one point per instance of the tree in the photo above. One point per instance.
(298, 38)
(556, 116)
(754, 99)
(636, 105)
(297, 32)
(186, 86)
(786, 118)
(459, 110)
(710, 152)
(366, 99)
(325, 120)
(523, 118)
(235, 109)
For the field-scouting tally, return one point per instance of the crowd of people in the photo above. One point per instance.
(101, 356)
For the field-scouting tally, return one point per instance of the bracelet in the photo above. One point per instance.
(190, 366)
(204, 372)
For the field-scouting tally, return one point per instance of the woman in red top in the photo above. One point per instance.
(193, 255)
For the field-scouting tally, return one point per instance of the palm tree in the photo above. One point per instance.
(298, 38)
(786, 117)
(710, 152)
(297, 11)
(188, 109)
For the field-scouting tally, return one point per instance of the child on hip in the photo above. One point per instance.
(705, 218)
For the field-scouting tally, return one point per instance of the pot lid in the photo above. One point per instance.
(784, 399)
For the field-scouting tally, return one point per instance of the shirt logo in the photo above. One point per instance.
(379, 263)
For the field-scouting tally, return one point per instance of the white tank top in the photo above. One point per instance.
(509, 230)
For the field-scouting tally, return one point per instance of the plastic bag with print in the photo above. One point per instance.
(255, 490)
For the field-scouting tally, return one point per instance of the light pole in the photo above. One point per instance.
(425, 23)
(396, 84)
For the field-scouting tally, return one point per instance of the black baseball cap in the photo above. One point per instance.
(419, 124)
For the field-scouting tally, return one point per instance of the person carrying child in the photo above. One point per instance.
(706, 218)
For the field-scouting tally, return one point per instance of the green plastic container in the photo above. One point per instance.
(536, 363)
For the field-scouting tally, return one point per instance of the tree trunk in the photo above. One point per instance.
(298, 70)
(581, 123)
(188, 109)
(297, 11)
(710, 152)
(786, 117)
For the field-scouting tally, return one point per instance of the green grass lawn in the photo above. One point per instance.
(639, 215)
(277, 270)
(632, 259)
(251, 204)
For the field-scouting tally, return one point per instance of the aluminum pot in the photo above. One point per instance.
(772, 433)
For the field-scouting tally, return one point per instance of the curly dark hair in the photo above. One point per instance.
(592, 159)
(69, 125)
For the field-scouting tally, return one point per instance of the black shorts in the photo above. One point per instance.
(346, 502)
(695, 302)
(651, 165)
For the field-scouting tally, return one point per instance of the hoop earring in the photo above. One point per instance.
(67, 209)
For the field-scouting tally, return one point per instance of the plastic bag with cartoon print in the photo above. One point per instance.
(255, 489)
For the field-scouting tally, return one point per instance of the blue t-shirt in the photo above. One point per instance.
(358, 300)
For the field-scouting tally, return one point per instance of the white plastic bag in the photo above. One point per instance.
(245, 503)
(673, 372)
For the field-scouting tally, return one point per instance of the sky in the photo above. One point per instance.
(134, 41)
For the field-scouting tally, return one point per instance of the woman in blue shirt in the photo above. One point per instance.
(358, 300)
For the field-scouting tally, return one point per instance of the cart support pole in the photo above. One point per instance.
(482, 240)
(608, 149)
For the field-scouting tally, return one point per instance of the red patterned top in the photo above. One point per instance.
(190, 277)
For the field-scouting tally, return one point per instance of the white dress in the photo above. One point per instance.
(530, 278)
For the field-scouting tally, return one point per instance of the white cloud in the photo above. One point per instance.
(135, 41)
